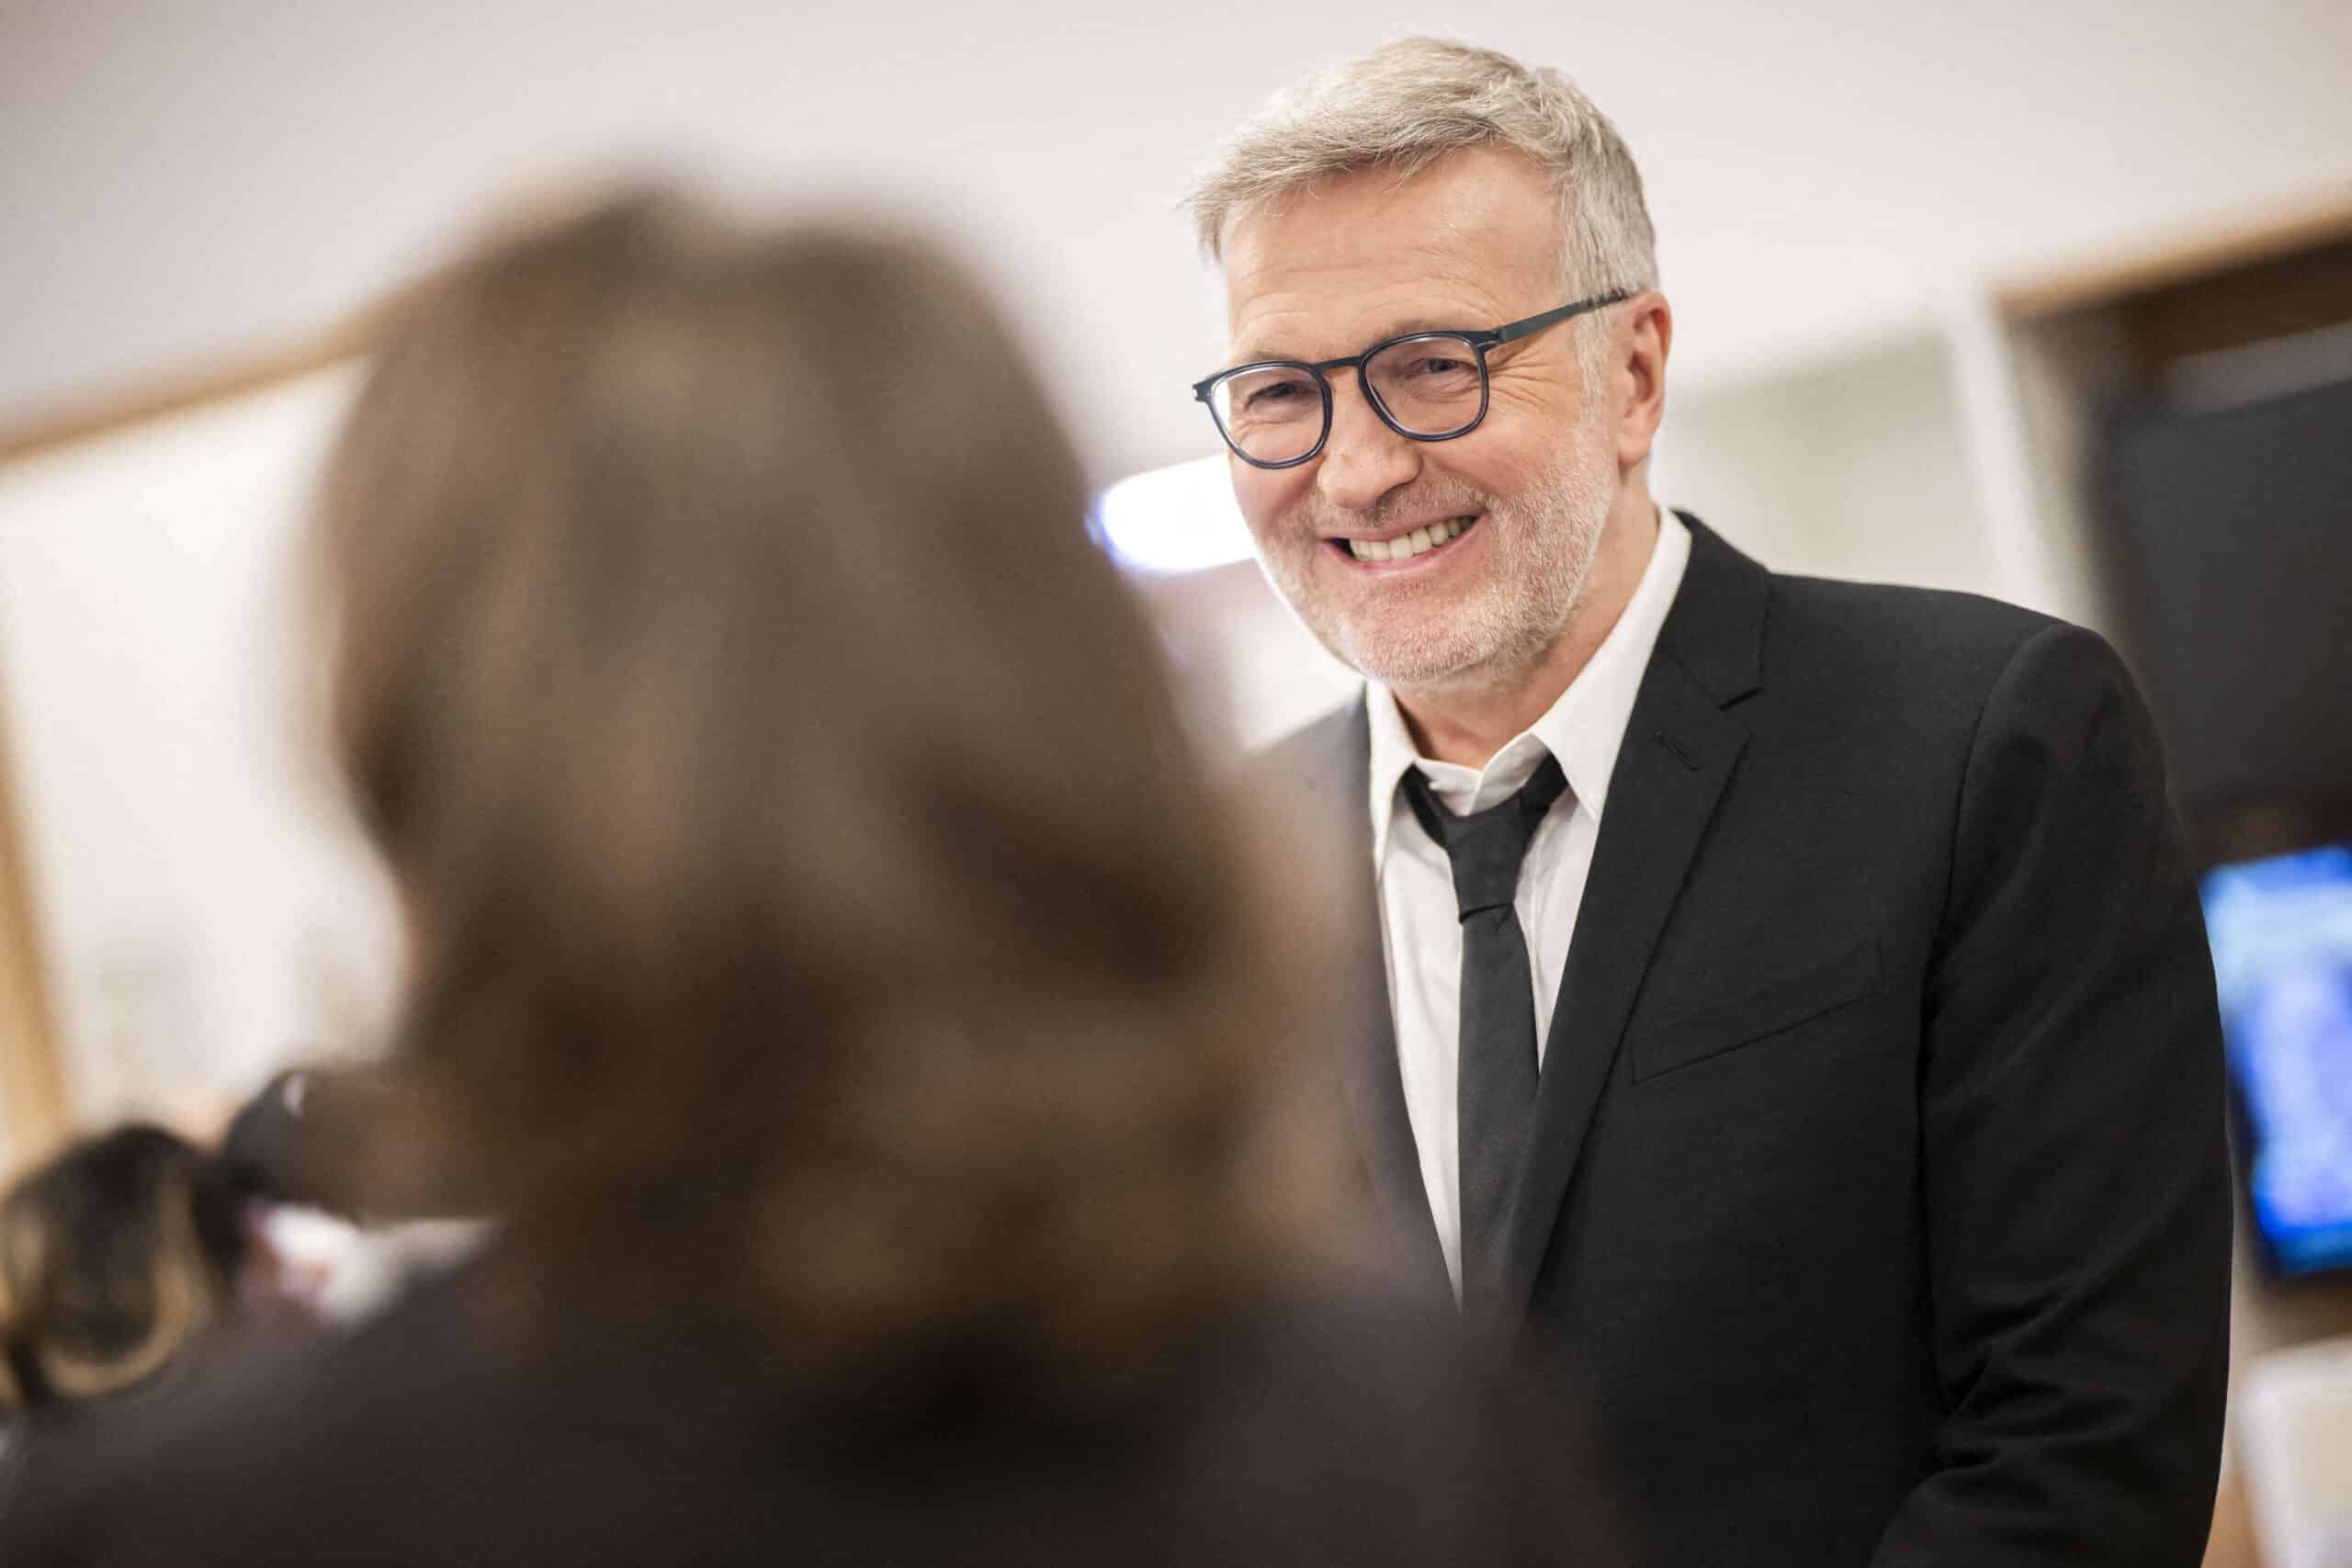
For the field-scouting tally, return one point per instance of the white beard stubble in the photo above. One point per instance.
(1541, 543)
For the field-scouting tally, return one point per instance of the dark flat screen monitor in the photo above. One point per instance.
(2281, 930)
(2232, 560)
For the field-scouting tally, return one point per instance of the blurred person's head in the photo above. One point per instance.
(816, 915)
(1430, 185)
(116, 1259)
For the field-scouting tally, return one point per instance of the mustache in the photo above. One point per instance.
(1447, 500)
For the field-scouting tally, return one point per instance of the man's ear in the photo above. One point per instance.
(1637, 372)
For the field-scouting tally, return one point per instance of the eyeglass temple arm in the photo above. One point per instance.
(1518, 329)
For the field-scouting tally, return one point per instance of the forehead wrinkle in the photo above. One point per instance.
(1325, 306)
(1363, 261)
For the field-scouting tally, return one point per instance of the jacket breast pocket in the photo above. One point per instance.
(1759, 1012)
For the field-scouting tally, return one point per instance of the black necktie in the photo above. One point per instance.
(1495, 1086)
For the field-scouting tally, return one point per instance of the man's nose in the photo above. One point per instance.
(1363, 459)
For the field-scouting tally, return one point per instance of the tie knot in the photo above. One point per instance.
(1486, 847)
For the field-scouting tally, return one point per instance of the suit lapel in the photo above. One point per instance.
(1677, 756)
(1332, 760)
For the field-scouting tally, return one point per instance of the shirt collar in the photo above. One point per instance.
(1584, 729)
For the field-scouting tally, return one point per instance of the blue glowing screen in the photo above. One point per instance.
(2282, 952)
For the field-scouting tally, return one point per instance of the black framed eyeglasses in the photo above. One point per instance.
(1276, 414)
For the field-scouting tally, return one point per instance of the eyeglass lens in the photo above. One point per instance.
(1431, 386)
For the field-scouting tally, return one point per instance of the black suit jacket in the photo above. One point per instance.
(1878, 1179)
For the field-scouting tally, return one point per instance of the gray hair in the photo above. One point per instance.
(1407, 104)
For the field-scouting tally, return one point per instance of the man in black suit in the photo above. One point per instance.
(1796, 998)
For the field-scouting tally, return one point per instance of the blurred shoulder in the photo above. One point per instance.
(1329, 1428)
(278, 1452)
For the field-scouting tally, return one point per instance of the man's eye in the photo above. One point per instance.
(1267, 399)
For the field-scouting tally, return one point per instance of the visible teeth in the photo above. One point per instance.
(1407, 546)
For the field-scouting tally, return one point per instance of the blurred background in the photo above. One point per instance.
(2050, 302)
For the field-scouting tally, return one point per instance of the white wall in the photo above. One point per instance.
(1852, 469)
(184, 177)
(205, 907)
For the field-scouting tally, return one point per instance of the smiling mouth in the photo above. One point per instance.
(1405, 546)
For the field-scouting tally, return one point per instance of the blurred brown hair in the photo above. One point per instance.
(817, 909)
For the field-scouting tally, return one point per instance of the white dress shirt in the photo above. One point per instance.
(1420, 929)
